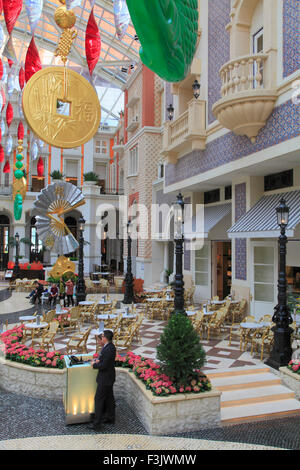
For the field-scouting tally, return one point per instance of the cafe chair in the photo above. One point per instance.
(217, 322)
(74, 317)
(237, 330)
(48, 337)
(264, 339)
(78, 342)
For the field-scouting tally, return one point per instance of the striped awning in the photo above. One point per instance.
(261, 220)
(212, 216)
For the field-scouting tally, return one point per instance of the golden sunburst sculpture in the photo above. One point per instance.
(62, 266)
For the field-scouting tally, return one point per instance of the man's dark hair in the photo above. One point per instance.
(108, 334)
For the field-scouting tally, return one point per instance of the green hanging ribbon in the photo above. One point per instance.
(167, 30)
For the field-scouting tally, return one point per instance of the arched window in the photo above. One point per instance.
(36, 247)
(71, 223)
(4, 238)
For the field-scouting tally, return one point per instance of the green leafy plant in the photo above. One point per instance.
(90, 176)
(180, 352)
(57, 175)
(168, 272)
(12, 241)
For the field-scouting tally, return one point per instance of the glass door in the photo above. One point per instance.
(264, 278)
(203, 271)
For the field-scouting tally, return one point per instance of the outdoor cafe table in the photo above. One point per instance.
(190, 313)
(86, 302)
(104, 302)
(108, 316)
(248, 326)
(27, 318)
(155, 299)
(34, 326)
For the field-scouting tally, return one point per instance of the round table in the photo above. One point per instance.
(217, 302)
(130, 315)
(35, 326)
(104, 302)
(190, 313)
(27, 318)
(252, 325)
(106, 316)
(154, 299)
(62, 312)
(86, 302)
(208, 313)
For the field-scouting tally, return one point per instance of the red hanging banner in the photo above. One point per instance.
(92, 43)
(1, 154)
(40, 167)
(20, 131)
(1, 69)
(32, 62)
(6, 168)
(9, 114)
(21, 78)
(11, 10)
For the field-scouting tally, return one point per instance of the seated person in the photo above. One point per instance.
(37, 292)
(53, 294)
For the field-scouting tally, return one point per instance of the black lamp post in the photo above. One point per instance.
(80, 286)
(179, 240)
(282, 350)
(129, 295)
(17, 266)
(170, 110)
(196, 89)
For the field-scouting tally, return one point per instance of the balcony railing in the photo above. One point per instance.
(248, 96)
(186, 133)
(242, 74)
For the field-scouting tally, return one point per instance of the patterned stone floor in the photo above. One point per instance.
(30, 423)
(218, 353)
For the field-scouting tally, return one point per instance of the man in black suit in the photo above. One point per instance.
(104, 398)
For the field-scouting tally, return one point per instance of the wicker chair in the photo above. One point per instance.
(47, 338)
(78, 342)
(217, 322)
(262, 338)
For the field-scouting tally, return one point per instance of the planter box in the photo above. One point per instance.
(159, 415)
(291, 380)
(168, 415)
(38, 382)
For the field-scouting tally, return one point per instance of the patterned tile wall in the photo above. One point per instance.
(283, 124)
(291, 36)
(219, 48)
(240, 243)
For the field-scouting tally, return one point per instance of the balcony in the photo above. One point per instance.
(248, 97)
(186, 133)
(133, 125)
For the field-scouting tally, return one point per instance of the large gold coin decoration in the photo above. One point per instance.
(61, 108)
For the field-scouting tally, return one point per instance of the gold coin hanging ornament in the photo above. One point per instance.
(60, 106)
(63, 123)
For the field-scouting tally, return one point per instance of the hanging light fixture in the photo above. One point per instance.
(196, 89)
(170, 110)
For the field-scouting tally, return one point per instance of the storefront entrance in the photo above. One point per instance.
(4, 238)
(221, 269)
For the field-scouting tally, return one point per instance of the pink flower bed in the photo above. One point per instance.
(294, 366)
(18, 352)
(150, 374)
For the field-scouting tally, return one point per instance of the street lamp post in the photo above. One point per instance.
(282, 351)
(17, 266)
(129, 294)
(179, 240)
(80, 286)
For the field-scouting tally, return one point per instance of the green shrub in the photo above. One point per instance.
(180, 352)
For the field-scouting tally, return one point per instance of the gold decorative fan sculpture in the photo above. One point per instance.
(49, 209)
